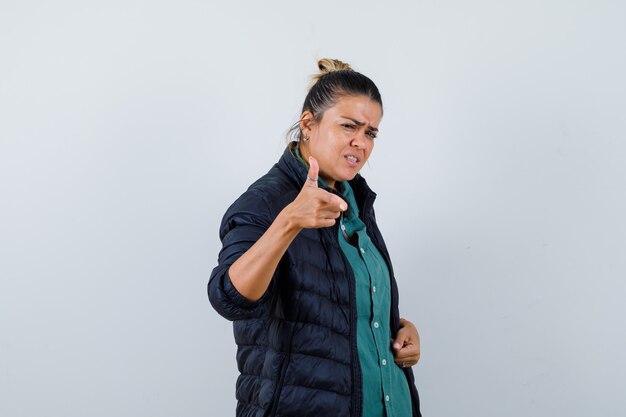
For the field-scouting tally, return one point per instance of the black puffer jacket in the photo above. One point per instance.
(297, 351)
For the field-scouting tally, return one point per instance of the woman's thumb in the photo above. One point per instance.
(314, 170)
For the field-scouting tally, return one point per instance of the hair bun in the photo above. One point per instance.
(328, 65)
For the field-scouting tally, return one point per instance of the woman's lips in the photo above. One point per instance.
(353, 161)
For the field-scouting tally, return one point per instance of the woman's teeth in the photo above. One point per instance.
(352, 158)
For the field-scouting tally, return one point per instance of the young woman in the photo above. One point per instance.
(305, 275)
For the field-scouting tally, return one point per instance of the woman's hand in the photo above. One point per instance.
(252, 273)
(314, 207)
(406, 345)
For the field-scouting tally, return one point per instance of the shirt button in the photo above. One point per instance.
(384, 362)
(343, 227)
(362, 250)
(374, 288)
(376, 324)
(386, 398)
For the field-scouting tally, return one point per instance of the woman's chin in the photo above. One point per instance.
(349, 175)
(345, 175)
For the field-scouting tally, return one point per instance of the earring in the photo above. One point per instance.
(305, 138)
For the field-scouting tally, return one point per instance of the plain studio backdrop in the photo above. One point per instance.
(128, 127)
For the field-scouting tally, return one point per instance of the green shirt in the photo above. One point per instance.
(385, 388)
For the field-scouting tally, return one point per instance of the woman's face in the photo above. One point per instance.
(343, 140)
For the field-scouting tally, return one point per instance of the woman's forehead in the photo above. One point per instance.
(359, 109)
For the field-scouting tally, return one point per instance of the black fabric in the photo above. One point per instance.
(296, 346)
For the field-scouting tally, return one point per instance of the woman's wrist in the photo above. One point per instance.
(287, 221)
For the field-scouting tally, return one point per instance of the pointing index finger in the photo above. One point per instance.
(341, 203)
(335, 201)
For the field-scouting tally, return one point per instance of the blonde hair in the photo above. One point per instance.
(326, 66)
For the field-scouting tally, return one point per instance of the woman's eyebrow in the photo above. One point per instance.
(356, 122)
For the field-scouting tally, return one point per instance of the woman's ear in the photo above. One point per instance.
(306, 121)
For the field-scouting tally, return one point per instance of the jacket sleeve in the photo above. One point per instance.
(243, 224)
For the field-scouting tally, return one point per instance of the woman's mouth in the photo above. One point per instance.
(352, 160)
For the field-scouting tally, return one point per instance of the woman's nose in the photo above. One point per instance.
(359, 139)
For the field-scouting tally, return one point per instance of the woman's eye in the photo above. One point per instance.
(372, 135)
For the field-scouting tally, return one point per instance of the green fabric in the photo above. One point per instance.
(385, 388)
(384, 383)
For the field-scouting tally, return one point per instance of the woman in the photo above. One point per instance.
(305, 275)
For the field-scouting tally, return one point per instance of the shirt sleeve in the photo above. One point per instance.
(243, 224)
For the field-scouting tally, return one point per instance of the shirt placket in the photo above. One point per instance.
(379, 319)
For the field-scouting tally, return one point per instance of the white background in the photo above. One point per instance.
(128, 127)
